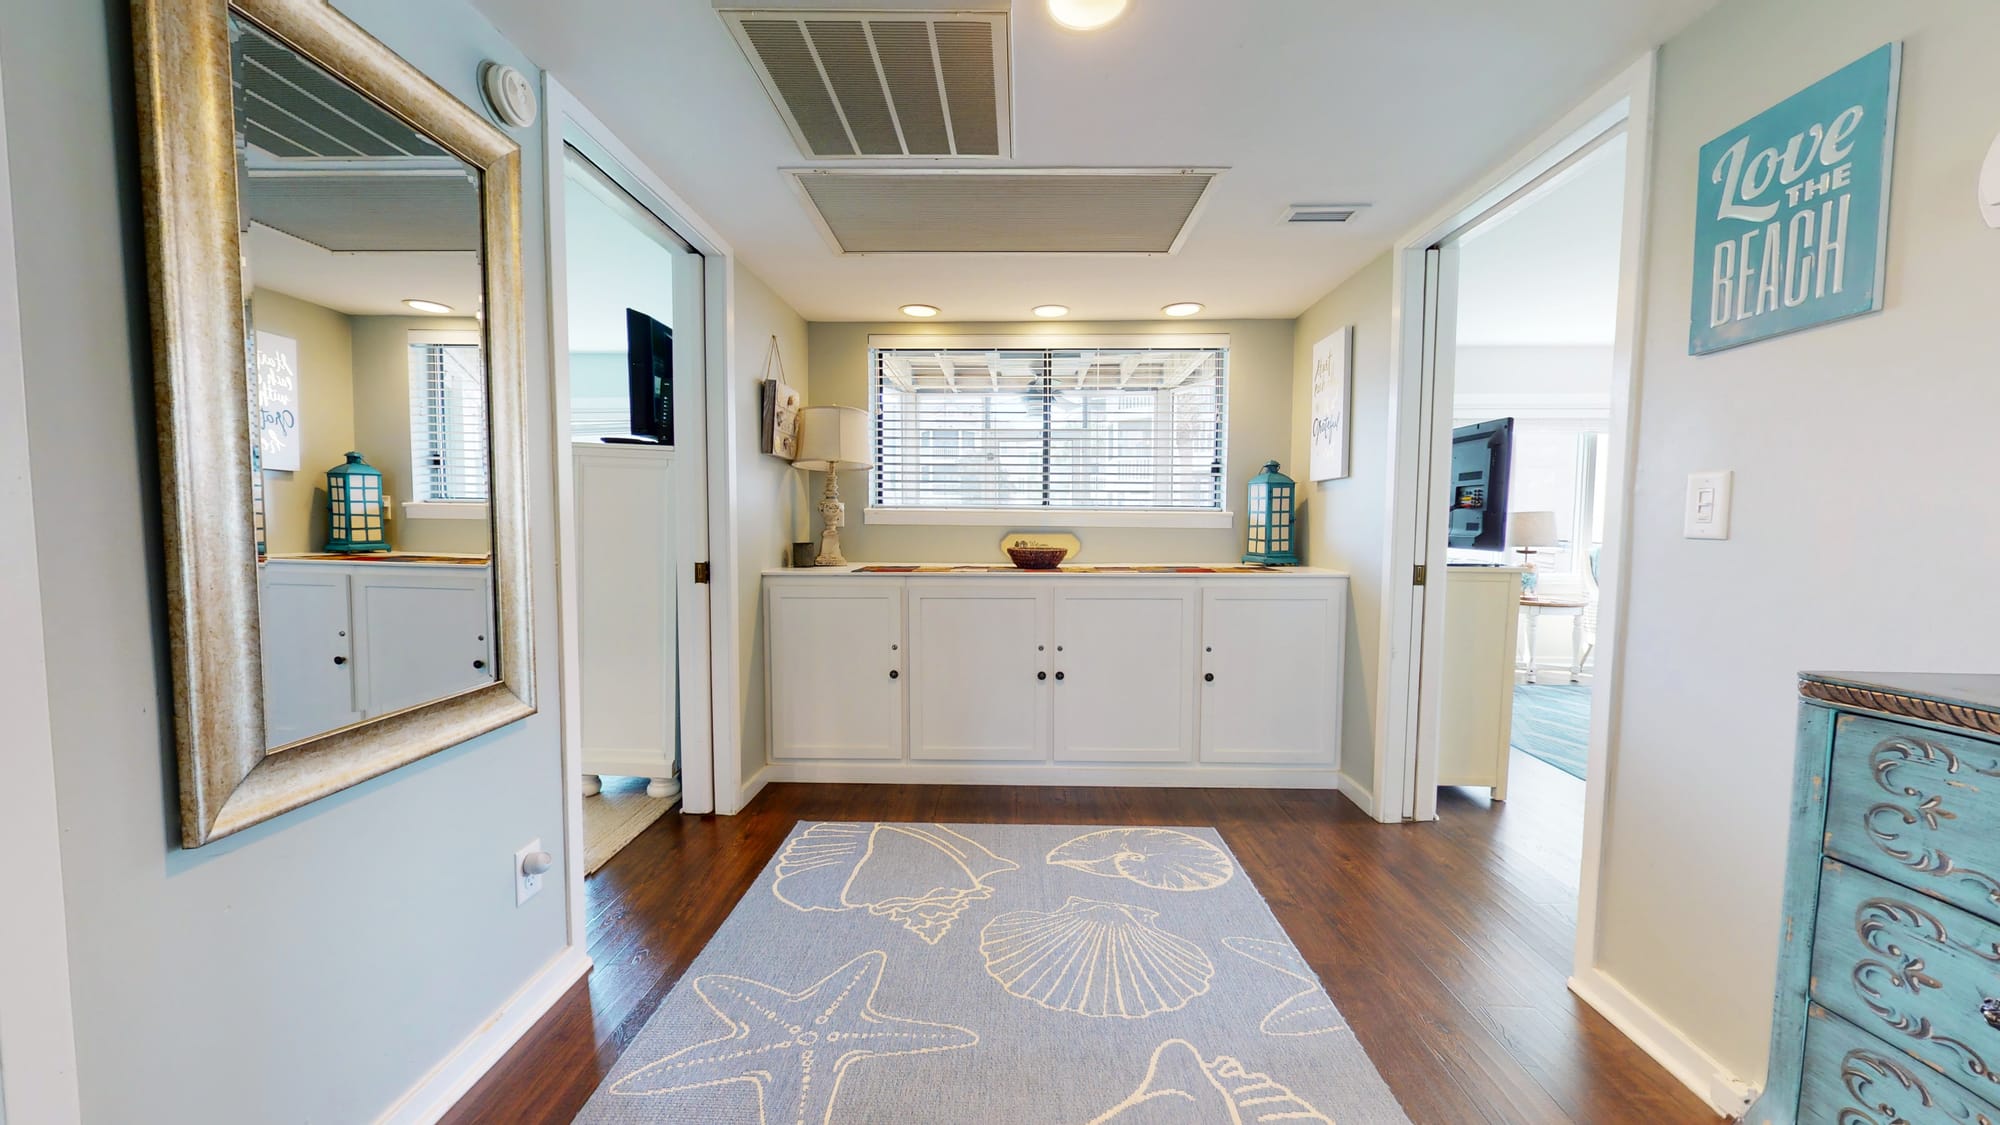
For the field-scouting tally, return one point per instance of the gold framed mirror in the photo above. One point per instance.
(334, 257)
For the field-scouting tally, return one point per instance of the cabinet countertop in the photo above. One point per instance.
(383, 558)
(1079, 570)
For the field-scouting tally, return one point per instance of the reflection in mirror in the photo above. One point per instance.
(363, 291)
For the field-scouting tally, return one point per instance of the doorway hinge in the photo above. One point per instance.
(1422, 573)
(701, 574)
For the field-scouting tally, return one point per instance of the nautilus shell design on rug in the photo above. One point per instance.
(1182, 1088)
(1306, 1012)
(1100, 959)
(1161, 858)
(920, 876)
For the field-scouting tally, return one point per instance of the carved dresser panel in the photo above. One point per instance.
(1888, 1000)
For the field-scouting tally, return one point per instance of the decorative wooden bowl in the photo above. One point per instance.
(1037, 558)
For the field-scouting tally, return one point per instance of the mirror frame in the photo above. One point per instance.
(228, 780)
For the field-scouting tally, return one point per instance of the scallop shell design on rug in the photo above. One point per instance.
(1182, 1088)
(920, 876)
(1161, 858)
(1099, 959)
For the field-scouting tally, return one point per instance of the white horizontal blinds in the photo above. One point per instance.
(448, 422)
(1129, 428)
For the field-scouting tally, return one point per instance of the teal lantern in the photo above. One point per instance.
(354, 507)
(1273, 507)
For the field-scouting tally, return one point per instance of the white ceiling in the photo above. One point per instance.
(1545, 271)
(1399, 105)
(364, 284)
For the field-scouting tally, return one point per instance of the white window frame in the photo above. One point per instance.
(1052, 517)
(444, 509)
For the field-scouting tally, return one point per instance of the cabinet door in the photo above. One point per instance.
(308, 652)
(425, 633)
(835, 655)
(1271, 672)
(1126, 655)
(979, 684)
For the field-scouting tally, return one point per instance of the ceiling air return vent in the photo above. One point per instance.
(1322, 212)
(1005, 211)
(884, 84)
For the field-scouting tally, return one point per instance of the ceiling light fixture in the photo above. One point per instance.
(1085, 15)
(920, 310)
(427, 306)
(1183, 308)
(1051, 310)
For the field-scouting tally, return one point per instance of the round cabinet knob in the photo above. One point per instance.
(1059, 675)
(1990, 1009)
(894, 674)
(1041, 675)
(537, 863)
(1208, 677)
(340, 660)
(479, 664)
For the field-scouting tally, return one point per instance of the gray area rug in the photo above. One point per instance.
(887, 973)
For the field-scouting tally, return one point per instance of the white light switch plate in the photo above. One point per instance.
(1708, 504)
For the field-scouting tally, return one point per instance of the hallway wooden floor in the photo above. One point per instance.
(1446, 945)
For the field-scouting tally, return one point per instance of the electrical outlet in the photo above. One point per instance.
(530, 864)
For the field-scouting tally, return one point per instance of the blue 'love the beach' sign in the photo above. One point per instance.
(1793, 210)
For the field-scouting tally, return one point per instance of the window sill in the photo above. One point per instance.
(444, 510)
(1032, 518)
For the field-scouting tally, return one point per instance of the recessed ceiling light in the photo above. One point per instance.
(428, 306)
(1085, 15)
(920, 310)
(1183, 308)
(1051, 310)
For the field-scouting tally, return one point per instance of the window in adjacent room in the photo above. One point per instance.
(1123, 428)
(447, 419)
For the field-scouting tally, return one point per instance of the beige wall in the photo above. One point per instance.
(769, 496)
(1861, 535)
(1344, 519)
(1260, 414)
(295, 503)
(382, 428)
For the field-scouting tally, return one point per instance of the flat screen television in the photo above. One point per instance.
(649, 356)
(1482, 458)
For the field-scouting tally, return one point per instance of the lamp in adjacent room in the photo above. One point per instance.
(832, 440)
(1530, 533)
(1273, 507)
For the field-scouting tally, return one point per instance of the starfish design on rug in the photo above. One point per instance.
(794, 1047)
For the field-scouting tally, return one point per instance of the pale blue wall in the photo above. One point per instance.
(316, 967)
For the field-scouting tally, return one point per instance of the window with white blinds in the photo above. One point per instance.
(1110, 428)
(447, 418)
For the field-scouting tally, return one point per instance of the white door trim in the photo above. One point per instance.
(37, 1027)
(1627, 100)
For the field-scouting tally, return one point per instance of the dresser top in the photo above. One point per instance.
(1951, 699)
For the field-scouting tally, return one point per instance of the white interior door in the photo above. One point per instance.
(979, 688)
(1126, 655)
(1433, 526)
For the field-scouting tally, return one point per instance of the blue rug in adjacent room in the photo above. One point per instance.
(1552, 722)
(972, 973)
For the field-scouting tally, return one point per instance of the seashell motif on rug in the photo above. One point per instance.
(1182, 1088)
(1163, 859)
(920, 876)
(1098, 959)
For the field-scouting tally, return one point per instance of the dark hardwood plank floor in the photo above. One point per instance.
(1447, 945)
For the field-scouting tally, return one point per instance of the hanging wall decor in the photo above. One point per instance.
(1792, 210)
(1332, 386)
(278, 401)
(779, 434)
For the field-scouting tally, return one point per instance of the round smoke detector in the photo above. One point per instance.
(509, 94)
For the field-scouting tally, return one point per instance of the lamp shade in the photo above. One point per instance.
(833, 439)
(1532, 529)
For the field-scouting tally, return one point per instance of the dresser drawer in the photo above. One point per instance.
(1919, 807)
(1921, 976)
(1853, 1078)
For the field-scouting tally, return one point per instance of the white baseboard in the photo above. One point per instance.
(1726, 1094)
(753, 787)
(429, 1099)
(1362, 796)
(977, 773)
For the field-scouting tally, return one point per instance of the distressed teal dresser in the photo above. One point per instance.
(1888, 1001)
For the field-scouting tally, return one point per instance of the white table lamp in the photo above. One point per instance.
(1528, 533)
(832, 440)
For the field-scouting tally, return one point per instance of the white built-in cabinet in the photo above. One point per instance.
(1056, 678)
(345, 640)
